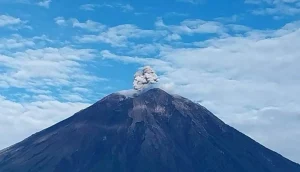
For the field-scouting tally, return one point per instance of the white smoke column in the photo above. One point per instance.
(144, 77)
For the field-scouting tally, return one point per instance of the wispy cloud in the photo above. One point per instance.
(192, 27)
(47, 67)
(42, 97)
(6, 20)
(157, 63)
(275, 7)
(176, 14)
(117, 36)
(44, 3)
(72, 97)
(88, 7)
(60, 21)
(15, 42)
(12, 22)
(231, 19)
(92, 7)
(149, 49)
(173, 37)
(125, 7)
(192, 1)
(88, 25)
(124, 35)
(41, 3)
(81, 89)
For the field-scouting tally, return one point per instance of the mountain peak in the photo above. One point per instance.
(155, 94)
(153, 131)
(155, 91)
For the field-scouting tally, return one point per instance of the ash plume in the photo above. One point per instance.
(143, 78)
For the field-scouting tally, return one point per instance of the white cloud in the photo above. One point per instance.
(44, 3)
(43, 38)
(12, 22)
(8, 20)
(156, 63)
(126, 7)
(275, 7)
(238, 28)
(128, 93)
(120, 36)
(72, 97)
(249, 81)
(122, 7)
(124, 35)
(42, 97)
(88, 7)
(34, 68)
(192, 27)
(41, 3)
(80, 89)
(60, 21)
(231, 19)
(176, 14)
(88, 25)
(173, 37)
(117, 36)
(15, 42)
(20, 120)
(39, 91)
(192, 1)
(144, 49)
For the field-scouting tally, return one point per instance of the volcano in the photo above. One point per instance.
(151, 132)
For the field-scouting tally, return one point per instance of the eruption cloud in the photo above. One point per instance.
(143, 78)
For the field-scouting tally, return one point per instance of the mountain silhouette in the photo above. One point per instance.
(151, 132)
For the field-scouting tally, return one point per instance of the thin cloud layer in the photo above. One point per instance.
(23, 119)
(275, 7)
(46, 68)
(119, 6)
(44, 3)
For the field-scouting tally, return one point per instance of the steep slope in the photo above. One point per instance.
(152, 132)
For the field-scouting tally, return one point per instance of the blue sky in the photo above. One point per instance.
(240, 59)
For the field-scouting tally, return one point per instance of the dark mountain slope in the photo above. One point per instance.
(152, 132)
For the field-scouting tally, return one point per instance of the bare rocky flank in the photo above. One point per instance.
(152, 132)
